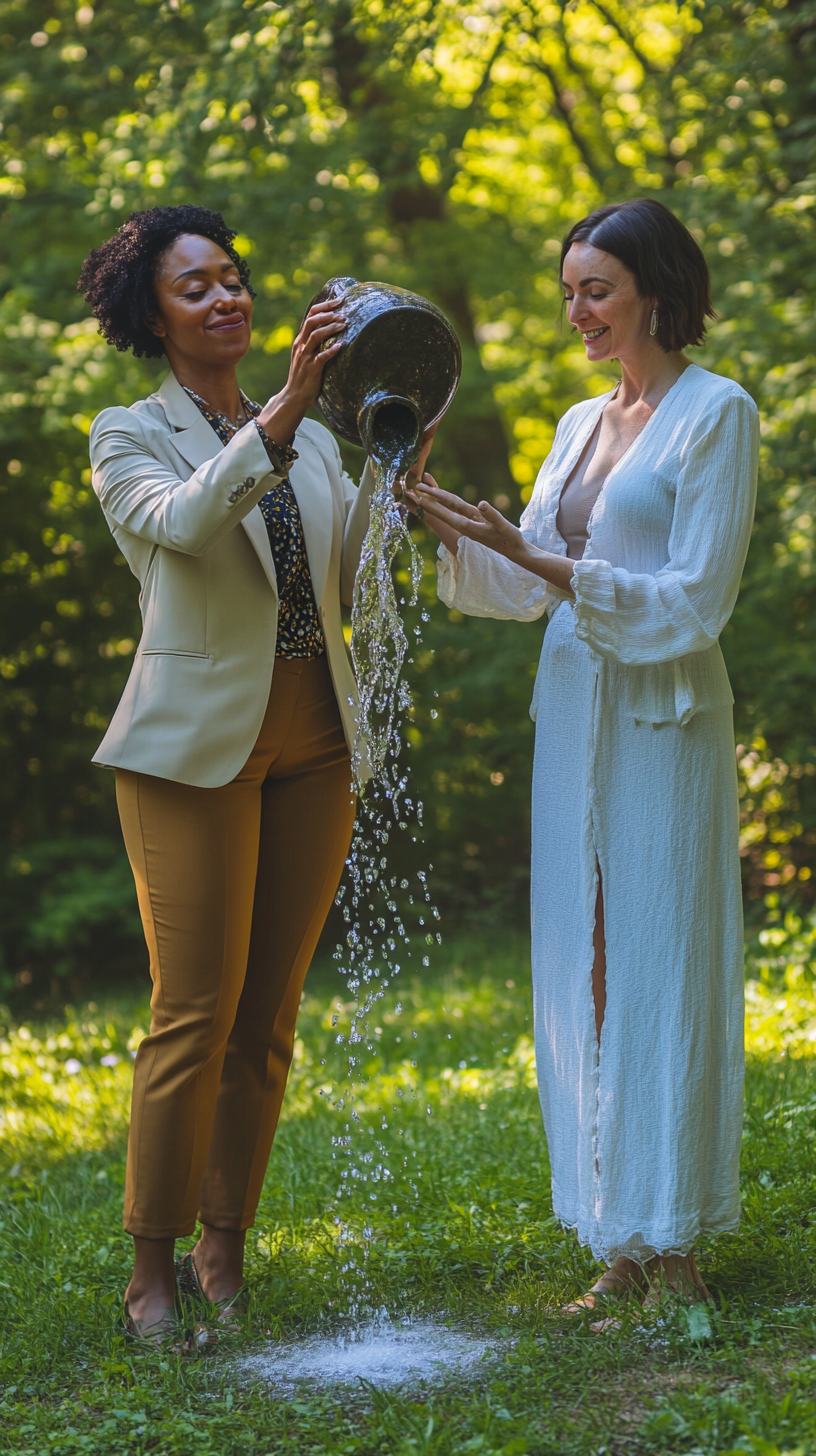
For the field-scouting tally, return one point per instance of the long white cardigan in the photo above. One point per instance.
(634, 774)
(183, 509)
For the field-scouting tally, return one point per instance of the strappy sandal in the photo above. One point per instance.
(167, 1334)
(688, 1292)
(610, 1289)
(225, 1314)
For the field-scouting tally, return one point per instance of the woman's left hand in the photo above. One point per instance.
(480, 523)
(485, 524)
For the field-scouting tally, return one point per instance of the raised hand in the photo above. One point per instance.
(317, 342)
(315, 345)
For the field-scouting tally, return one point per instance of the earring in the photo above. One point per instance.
(653, 323)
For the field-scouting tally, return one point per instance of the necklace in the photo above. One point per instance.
(217, 418)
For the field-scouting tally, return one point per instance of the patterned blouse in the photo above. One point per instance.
(299, 633)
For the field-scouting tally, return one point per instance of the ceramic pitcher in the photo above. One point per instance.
(397, 374)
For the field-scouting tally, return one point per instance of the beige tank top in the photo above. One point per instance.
(577, 501)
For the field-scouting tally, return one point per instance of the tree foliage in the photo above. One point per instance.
(445, 146)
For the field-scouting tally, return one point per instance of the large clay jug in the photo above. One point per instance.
(397, 374)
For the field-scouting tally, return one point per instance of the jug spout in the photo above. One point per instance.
(391, 429)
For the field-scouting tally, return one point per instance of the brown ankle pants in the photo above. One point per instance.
(234, 885)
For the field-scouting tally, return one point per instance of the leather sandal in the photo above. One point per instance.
(224, 1314)
(168, 1333)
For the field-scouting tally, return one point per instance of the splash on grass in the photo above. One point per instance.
(381, 1352)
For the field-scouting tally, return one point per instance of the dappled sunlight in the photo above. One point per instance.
(64, 1088)
(780, 1022)
(446, 1246)
(780, 998)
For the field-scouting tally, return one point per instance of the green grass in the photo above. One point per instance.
(472, 1241)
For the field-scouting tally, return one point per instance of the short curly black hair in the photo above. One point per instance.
(117, 279)
(667, 263)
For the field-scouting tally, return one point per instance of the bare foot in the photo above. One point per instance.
(624, 1278)
(218, 1258)
(673, 1274)
(605, 1326)
(151, 1293)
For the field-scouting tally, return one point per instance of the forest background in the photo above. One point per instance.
(444, 146)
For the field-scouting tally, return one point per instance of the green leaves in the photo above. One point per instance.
(446, 149)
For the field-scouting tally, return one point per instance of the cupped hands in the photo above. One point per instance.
(451, 517)
(479, 523)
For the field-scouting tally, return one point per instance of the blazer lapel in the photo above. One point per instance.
(313, 494)
(197, 442)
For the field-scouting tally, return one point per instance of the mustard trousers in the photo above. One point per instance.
(234, 886)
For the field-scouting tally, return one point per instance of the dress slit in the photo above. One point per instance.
(599, 946)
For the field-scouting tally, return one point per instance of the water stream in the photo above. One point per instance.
(378, 638)
(377, 941)
(372, 1343)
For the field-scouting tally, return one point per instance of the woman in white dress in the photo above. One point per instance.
(634, 542)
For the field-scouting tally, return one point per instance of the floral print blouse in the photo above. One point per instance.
(299, 633)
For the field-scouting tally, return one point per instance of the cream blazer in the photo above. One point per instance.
(183, 509)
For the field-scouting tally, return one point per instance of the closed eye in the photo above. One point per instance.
(200, 292)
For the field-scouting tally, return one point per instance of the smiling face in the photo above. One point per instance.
(604, 303)
(203, 310)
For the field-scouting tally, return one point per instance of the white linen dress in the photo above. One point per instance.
(635, 773)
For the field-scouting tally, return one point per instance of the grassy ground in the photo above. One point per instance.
(461, 1230)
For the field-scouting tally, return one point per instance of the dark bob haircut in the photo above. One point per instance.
(661, 253)
(117, 279)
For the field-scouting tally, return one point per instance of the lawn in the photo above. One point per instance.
(447, 1216)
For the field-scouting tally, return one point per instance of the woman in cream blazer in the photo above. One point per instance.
(188, 524)
(231, 742)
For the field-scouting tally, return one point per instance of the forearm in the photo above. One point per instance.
(557, 570)
(148, 499)
(281, 416)
(451, 517)
(448, 535)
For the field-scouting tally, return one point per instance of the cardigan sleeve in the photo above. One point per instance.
(636, 618)
(480, 583)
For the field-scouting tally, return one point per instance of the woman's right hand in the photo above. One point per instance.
(284, 412)
(447, 533)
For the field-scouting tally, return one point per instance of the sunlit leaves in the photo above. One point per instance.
(444, 147)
